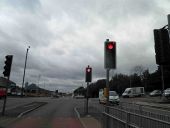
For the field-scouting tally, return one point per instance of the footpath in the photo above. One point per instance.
(87, 121)
(90, 122)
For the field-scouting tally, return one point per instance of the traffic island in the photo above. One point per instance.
(23, 109)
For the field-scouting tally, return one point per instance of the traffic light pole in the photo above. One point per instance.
(88, 79)
(162, 77)
(87, 98)
(107, 102)
(5, 98)
(107, 85)
(168, 21)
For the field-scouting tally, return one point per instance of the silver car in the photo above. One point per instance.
(114, 97)
(166, 92)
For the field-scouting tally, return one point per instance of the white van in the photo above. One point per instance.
(134, 92)
(102, 98)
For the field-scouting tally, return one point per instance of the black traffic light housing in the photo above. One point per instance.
(110, 54)
(7, 67)
(162, 46)
(88, 74)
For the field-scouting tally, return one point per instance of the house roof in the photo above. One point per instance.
(3, 82)
(32, 87)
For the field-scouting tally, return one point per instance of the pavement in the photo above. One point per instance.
(90, 122)
(87, 121)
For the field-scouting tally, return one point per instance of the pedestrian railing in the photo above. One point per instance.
(118, 117)
(146, 111)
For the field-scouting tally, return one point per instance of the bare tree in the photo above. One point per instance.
(139, 69)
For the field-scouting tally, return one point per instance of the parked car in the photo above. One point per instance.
(166, 93)
(156, 93)
(79, 96)
(20, 94)
(2, 92)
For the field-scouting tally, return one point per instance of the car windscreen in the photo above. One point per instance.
(112, 93)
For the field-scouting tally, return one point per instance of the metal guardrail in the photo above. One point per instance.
(120, 118)
(146, 111)
(130, 115)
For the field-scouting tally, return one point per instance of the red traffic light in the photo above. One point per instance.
(88, 74)
(109, 54)
(111, 45)
(88, 69)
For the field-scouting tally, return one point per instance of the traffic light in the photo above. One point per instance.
(88, 74)
(7, 67)
(162, 46)
(110, 54)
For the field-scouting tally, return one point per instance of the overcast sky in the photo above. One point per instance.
(67, 35)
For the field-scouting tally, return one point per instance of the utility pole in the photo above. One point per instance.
(22, 90)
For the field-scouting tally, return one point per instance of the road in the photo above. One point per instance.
(58, 113)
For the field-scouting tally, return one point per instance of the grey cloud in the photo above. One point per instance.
(30, 5)
(66, 36)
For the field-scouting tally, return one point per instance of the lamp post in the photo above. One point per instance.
(24, 71)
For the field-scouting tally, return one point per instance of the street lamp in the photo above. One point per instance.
(24, 70)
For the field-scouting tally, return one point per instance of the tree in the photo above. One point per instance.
(146, 78)
(80, 91)
(138, 76)
(139, 69)
(119, 83)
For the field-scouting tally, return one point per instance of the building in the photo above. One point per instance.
(34, 90)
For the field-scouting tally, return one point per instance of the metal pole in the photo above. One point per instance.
(168, 21)
(162, 76)
(130, 82)
(5, 98)
(87, 98)
(24, 71)
(107, 102)
(107, 85)
(38, 90)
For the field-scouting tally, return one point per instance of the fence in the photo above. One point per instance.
(126, 117)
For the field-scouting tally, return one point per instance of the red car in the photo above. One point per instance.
(2, 92)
